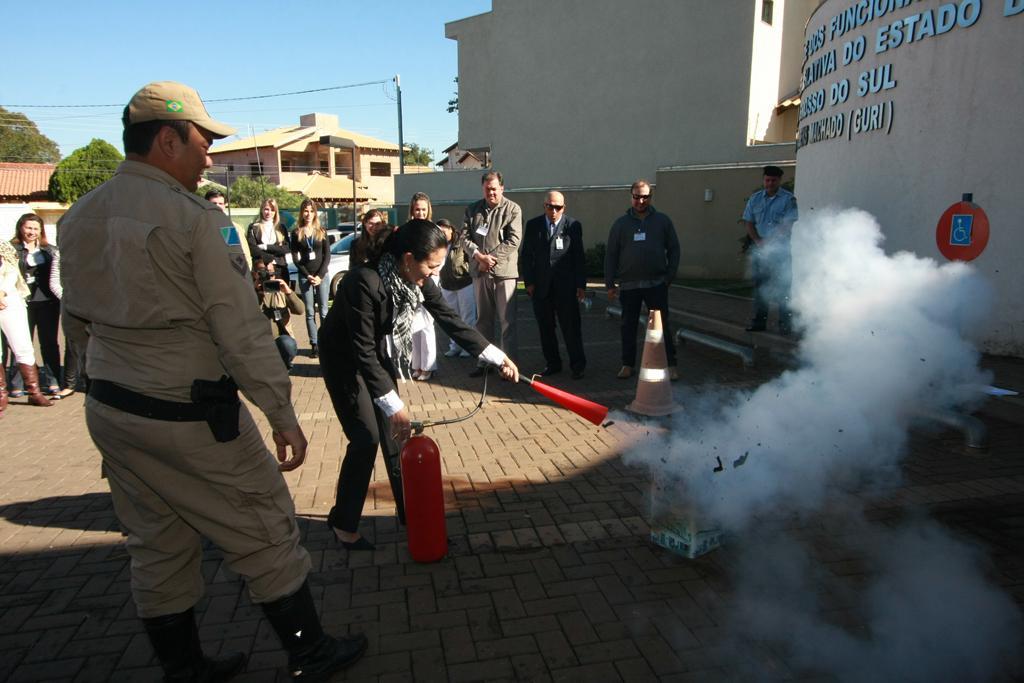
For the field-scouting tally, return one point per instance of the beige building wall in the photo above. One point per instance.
(585, 96)
(765, 78)
(381, 188)
(707, 224)
(596, 209)
(706, 205)
(239, 162)
(598, 92)
(949, 122)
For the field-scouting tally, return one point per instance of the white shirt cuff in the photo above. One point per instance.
(390, 403)
(493, 355)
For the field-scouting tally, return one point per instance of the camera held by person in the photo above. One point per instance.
(278, 301)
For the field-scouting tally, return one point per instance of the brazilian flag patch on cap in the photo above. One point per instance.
(175, 106)
(230, 236)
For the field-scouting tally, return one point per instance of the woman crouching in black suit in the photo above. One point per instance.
(374, 300)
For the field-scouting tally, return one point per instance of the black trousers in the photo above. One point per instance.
(73, 375)
(772, 283)
(560, 303)
(656, 298)
(44, 316)
(366, 428)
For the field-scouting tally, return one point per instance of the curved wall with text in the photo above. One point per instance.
(905, 106)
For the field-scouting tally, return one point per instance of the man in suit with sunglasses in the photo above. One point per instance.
(552, 267)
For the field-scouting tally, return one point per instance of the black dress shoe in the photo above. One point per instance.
(478, 371)
(314, 352)
(577, 374)
(359, 544)
(548, 371)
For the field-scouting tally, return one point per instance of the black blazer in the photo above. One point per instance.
(353, 335)
(547, 267)
(253, 236)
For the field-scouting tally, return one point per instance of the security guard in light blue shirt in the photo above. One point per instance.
(769, 217)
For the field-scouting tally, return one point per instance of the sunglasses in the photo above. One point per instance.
(554, 207)
(641, 197)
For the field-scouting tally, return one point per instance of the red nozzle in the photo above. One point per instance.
(588, 410)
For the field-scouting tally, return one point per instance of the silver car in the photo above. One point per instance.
(338, 266)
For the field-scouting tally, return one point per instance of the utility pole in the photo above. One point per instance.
(401, 140)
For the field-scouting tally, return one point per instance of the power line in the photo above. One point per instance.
(223, 99)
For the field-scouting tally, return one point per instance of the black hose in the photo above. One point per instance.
(419, 425)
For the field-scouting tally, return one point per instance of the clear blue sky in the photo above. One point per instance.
(102, 52)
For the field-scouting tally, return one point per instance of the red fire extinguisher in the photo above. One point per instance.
(424, 499)
(421, 472)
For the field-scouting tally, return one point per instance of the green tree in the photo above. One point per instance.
(418, 156)
(250, 192)
(21, 141)
(453, 103)
(85, 169)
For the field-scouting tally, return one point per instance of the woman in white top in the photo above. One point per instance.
(14, 324)
(266, 235)
(39, 263)
(424, 337)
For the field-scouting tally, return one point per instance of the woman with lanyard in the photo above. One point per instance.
(40, 267)
(311, 253)
(266, 236)
(375, 300)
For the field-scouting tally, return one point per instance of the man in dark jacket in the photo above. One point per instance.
(642, 257)
(553, 271)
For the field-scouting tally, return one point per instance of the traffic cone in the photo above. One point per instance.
(653, 391)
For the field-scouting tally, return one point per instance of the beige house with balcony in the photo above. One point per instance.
(293, 158)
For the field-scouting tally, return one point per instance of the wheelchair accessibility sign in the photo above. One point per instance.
(962, 231)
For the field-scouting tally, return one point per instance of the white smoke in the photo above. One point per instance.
(884, 338)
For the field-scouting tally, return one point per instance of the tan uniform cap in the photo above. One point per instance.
(170, 101)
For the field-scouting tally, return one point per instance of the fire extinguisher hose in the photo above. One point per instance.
(419, 425)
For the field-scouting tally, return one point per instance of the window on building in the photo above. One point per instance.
(254, 168)
(231, 167)
(343, 162)
(767, 7)
(286, 165)
(380, 168)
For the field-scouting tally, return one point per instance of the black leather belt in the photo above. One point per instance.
(116, 396)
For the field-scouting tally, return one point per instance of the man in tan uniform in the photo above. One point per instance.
(159, 291)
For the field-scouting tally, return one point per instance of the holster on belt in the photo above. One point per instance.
(216, 403)
(220, 403)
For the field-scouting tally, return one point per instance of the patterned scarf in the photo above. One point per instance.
(8, 253)
(406, 298)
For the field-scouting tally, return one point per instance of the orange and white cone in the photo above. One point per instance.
(653, 390)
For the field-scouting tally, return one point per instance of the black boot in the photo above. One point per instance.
(312, 654)
(176, 641)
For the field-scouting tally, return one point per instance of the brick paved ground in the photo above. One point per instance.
(550, 577)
